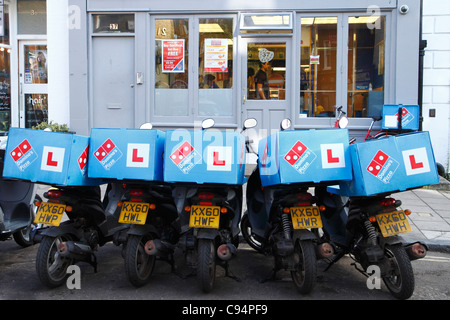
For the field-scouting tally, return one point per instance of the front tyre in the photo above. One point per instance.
(400, 280)
(51, 267)
(246, 230)
(206, 270)
(138, 264)
(305, 273)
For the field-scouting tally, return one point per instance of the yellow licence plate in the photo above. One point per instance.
(306, 217)
(134, 212)
(204, 217)
(50, 213)
(393, 223)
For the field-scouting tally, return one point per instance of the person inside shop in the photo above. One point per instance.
(262, 81)
(251, 83)
(210, 81)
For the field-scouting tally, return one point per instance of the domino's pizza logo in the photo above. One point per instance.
(382, 166)
(108, 154)
(185, 157)
(300, 157)
(23, 155)
(82, 160)
(407, 116)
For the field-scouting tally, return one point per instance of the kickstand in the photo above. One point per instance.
(335, 259)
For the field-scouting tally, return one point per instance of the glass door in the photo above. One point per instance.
(266, 70)
(33, 83)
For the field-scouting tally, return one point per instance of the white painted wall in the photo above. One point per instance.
(436, 81)
(58, 57)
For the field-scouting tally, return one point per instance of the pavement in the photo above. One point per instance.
(430, 217)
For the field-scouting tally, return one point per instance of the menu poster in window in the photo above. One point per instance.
(173, 55)
(216, 55)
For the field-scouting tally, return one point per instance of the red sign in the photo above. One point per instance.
(173, 55)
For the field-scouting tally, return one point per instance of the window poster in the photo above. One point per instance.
(173, 55)
(216, 55)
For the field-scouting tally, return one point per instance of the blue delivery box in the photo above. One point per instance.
(126, 154)
(305, 156)
(204, 156)
(53, 158)
(410, 117)
(391, 164)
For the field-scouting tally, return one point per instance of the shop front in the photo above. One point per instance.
(176, 63)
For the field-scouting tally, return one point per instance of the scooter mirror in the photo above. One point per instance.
(343, 122)
(285, 124)
(207, 123)
(146, 125)
(250, 123)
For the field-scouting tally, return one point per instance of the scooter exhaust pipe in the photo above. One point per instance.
(226, 251)
(416, 250)
(324, 250)
(74, 250)
(157, 247)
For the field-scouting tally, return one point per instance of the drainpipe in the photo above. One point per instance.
(422, 46)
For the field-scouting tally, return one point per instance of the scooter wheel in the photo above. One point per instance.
(400, 280)
(51, 267)
(304, 276)
(246, 230)
(206, 270)
(138, 264)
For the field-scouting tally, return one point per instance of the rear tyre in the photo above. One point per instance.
(306, 269)
(138, 264)
(206, 270)
(51, 267)
(400, 280)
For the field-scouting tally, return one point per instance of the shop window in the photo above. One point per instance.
(215, 67)
(5, 76)
(31, 16)
(366, 59)
(171, 67)
(318, 66)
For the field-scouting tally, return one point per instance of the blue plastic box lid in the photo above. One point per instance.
(391, 164)
(305, 156)
(126, 154)
(208, 156)
(47, 157)
(410, 117)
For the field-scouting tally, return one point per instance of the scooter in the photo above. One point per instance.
(209, 215)
(366, 228)
(17, 208)
(284, 221)
(90, 224)
(371, 241)
(150, 211)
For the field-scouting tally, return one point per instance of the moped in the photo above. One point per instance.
(17, 208)
(209, 214)
(90, 222)
(284, 221)
(369, 235)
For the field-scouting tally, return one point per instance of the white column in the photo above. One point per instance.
(58, 61)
